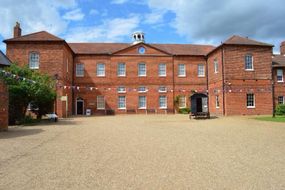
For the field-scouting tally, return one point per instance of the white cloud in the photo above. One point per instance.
(155, 17)
(119, 1)
(204, 20)
(34, 16)
(114, 30)
(74, 15)
(93, 12)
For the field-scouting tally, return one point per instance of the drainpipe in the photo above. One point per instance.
(173, 84)
(273, 93)
(223, 80)
(207, 83)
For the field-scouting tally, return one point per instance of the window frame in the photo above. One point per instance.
(121, 91)
(246, 63)
(124, 70)
(30, 60)
(180, 74)
(145, 102)
(282, 75)
(280, 102)
(77, 74)
(216, 66)
(98, 103)
(98, 74)
(247, 101)
(184, 101)
(124, 103)
(217, 101)
(139, 91)
(139, 70)
(160, 89)
(198, 70)
(162, 70)
(165, 99)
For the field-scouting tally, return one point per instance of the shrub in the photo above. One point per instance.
(184, 110)
(280, 109)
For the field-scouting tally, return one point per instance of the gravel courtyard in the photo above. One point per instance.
(144, 152)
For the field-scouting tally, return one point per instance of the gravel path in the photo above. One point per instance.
(144, 152)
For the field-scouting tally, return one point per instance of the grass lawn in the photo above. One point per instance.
(270, 118)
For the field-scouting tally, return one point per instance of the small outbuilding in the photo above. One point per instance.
(4, 62)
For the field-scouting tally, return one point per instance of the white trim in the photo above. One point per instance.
(98, 74)
(142, 108)
(145, 74)
(97, 103)
(122, 108)
(121, 92)
(251, 107)
(181, 75)
(124, 75)
(252, 62)
(164, 75)
(184, 102)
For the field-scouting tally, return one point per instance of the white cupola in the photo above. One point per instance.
(138, 37)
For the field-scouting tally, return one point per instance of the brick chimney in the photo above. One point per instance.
(282, 48)
(17, 30)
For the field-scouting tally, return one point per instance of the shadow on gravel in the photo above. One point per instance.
(19, 132)
(61, 122)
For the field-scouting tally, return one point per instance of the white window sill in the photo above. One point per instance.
(162, 75)
(79, 75)
(141, 75)
(163, 108)
(249, 69)
(144, 108)
(217, 107)
(100, 108)
(251, 107)
(201, 76)
(280, 81)
(122, 108)
(101, 76)
(142, 92)
(121, 76)
(182, 76)
(182, 107)
(123, 92)
(162, 91)
(34, 68)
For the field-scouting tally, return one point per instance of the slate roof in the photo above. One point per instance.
(109, 48)
(38, 36)
(4, 60)
(278, 61)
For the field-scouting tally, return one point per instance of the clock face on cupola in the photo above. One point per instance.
(138, 37)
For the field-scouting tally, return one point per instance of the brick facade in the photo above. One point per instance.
(54, 57)
(3, 106)
(227, 85)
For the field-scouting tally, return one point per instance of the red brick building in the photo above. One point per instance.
(4, 62)
(234, 78)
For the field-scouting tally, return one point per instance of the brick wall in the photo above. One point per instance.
(3, 107)
(53, 61)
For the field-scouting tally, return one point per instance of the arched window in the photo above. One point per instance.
(34, 60)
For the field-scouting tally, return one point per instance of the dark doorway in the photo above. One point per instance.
(199, 105)
(79, 106)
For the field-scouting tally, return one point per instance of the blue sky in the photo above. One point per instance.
(168, 21)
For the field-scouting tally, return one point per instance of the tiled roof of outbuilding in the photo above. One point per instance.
(238, 40)
(38, 36)
(278, 61)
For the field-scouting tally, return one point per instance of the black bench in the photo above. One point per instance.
(199, 115)
(131, 111)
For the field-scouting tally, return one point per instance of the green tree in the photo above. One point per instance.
(28, 86)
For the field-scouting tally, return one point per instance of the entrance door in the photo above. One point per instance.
(79, 107)
(199, 105)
